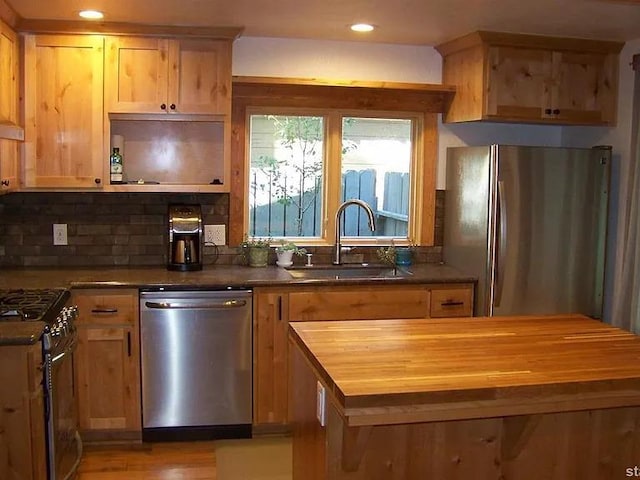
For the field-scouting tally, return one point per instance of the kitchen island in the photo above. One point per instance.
(554, 397)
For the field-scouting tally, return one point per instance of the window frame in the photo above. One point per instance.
(332, 170)
(431, 100)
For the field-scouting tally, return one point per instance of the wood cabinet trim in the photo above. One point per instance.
(121, 28)
(528, 41)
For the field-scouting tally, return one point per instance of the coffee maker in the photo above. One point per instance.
(185, 237)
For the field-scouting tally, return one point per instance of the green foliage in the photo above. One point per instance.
(286, 246)
(256, 242)
(387, 255)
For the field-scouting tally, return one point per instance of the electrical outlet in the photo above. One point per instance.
(214, 235)
(60, 234)
(321, 398)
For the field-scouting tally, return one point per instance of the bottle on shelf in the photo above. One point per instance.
(115, 162)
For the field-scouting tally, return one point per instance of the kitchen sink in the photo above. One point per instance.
(357, 270)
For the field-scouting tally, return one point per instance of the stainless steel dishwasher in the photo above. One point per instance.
(196, 364)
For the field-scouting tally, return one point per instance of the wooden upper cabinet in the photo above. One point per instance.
(9, 51)
(534, 79)
(63, 111)
(159, 75)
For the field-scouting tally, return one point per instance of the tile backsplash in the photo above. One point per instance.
(122, 229)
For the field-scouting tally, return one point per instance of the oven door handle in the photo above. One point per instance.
(187, 306)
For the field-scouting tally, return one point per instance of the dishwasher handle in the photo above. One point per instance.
(188, 306)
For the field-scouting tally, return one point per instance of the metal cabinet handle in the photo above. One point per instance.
(97, 180)
(451, 303)
(5, 183)
(163, 106)
(172, 106)
(187, 306)
(104, 310)
(129, 344)
(279, 307)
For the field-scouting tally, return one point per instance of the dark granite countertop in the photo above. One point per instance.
(20, 333)
(16, 333)
(209, 277)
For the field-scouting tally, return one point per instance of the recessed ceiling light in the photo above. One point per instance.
(91, 14)
(362, 27)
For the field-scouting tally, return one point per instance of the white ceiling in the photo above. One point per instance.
(414, 22)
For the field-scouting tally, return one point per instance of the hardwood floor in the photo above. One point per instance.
(157, 461)
(266, 458)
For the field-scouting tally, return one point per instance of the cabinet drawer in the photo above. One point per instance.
(451, 302)
(357, 304)
(113, 307)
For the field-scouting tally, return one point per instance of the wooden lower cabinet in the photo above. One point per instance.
(107, 364)
(22, 435)
(275, 307)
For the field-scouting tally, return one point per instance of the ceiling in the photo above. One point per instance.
(412, 22)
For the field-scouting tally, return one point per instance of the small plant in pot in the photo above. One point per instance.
(256, 251)
(285, 252)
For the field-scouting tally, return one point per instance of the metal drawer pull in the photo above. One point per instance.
(451, 303)
(186, 306)
(104, 310)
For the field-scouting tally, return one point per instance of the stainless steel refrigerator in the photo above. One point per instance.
(530, 223)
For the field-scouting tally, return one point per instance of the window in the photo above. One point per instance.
(303, 165)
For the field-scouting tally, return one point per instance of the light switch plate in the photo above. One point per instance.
(214, 235)
(60, 234)
(321, 398)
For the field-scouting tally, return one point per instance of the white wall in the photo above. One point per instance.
(278, 57)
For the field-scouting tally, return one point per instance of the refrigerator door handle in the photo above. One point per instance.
(501, 243)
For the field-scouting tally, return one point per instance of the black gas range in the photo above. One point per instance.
(59, 340)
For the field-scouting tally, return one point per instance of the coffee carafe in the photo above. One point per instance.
(185, 237)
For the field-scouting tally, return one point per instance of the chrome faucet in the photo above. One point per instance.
(337, 252)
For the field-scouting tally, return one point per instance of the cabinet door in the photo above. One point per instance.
(107, 366)
(136, 75)
(63, 111)
(519, 83)
(22, 436)
(271, 376)
(8, 75)
(585, 87)
(8, 165)
(200, 76)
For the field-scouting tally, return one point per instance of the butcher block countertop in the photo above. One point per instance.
(417, 370)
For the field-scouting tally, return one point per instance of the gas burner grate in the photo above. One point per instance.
(28, 304)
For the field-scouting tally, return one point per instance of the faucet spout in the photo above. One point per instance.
(337, 251)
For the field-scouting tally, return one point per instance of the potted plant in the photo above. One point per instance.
(285, 252)
(404, 255)
(256, 251)
(396, 255)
